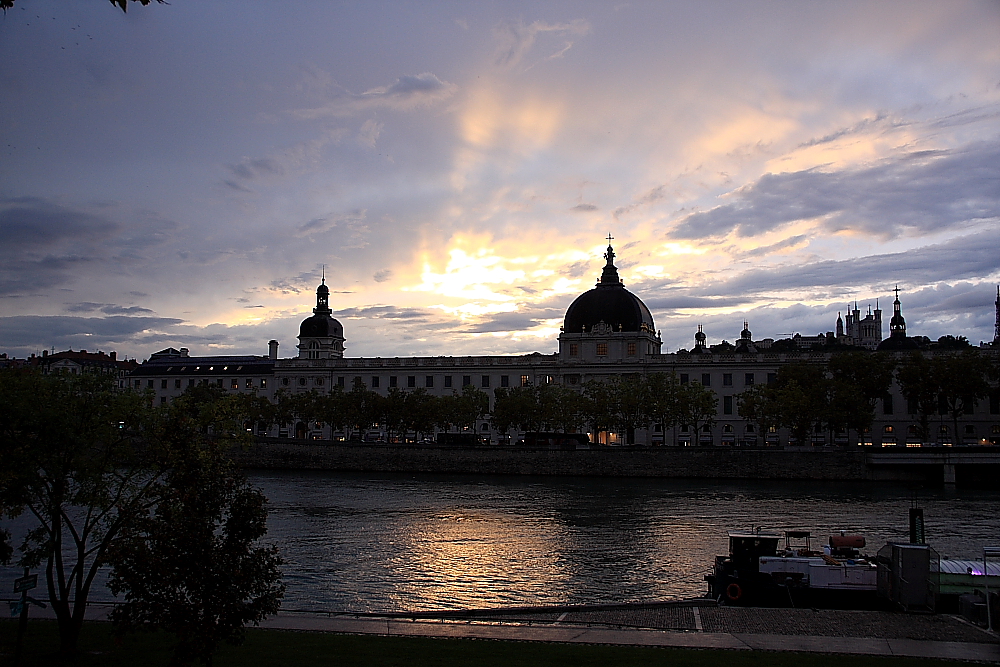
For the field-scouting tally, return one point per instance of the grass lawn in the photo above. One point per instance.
(266, 648)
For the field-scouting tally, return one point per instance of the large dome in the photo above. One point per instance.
(320, 325)
(609, 302)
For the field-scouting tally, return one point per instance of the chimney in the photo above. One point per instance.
(184, 351)
(113, 355)
(272, 349)
(45, 353)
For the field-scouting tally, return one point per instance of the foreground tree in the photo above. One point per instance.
(76, 457)
(192, 565)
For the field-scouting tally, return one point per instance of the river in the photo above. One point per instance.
(394, 542)
(363, 542)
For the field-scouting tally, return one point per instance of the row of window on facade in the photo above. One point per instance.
(234, 383)
(411, 381)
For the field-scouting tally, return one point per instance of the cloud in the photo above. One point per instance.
(351, 227)
(761, 251)
(971, 256)
(408, 92)
(382, 275)
(651, 197)
(516, 39)
(369, 132)
(251, 168)
(584, 208)
(64, 332)
(880, 123)
(383, 313)
(106, 308)
(919, 192)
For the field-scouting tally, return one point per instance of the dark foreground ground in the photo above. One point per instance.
(641, 635)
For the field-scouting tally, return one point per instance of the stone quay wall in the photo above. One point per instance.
(695, 462)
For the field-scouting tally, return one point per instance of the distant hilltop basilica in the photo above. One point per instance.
(607, 331)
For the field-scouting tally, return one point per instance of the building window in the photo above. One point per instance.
(504, 380)
(602, 349)
(574, 349)
(447, 382)
(887, 405)
(772, 378)
(220, 382)
(573, 379)
(340, 380)
(970, 429)
(234, 384)
(191, 382)
(138, 383)
(319, 382)
(887, 429)
(727, 428)
(525, 380)
(685, 378)
(706, 379)
(995, 403)
(374, 382)
(263, 383)
(284, 382)
(302, 382)
(486, 381)
(748, 380)
(149, 384)
(727, 379)
(249, 383)
(392, 381)
(549, 379)
(411, 380)
(727, 405)
(163, 400)
(466, 380)
(429, 381)
(177, 383)
(630, 349)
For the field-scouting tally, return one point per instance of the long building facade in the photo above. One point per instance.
(607, 331)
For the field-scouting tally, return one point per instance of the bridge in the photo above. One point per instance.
(974, 461)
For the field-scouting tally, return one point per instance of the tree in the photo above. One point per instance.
(122, 4)
(962, 381)
(598, 406)
(919, 386)
(191, 565)
(663, 395)
(759, 404)
(82, 458)
(697, 407)
(802, 393)
(629, 404)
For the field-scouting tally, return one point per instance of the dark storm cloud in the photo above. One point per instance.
(922, 192)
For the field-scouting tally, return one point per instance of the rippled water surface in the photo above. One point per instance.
(363, 542)
(383, 542)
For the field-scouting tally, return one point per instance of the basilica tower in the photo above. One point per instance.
(321, 336)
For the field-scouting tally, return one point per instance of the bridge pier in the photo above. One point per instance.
(949, 474)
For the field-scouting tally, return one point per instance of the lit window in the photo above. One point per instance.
(574, 349)
(630, 348)
(249, 383)
(602, 349)
(263, 384)
(525, 380)
(887, 429)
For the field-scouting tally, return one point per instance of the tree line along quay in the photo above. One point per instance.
(836, 399)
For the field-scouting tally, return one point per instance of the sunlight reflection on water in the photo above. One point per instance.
(356, 542)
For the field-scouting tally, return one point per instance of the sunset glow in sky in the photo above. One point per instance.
(179, 175)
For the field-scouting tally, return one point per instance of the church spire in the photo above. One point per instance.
(897, 325)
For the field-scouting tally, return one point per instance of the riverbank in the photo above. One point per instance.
(855, 464)
(647, 635)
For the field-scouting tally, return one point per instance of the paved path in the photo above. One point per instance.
(841, 629)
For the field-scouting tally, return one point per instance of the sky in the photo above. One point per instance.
(181, 174)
